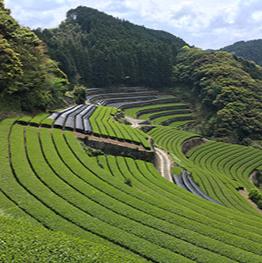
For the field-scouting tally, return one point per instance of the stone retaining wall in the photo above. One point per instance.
(118, 149)
(191, 143)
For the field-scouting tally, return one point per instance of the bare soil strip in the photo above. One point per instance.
(165, 164)
(135, 122)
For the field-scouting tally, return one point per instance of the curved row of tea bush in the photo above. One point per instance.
(148, 110)
(216, 185)
(160, 100)
(22, 241)
(168, 114)
(124, 199)
(235, 161)
(101, 95)
(22, 197)
(103, 123)
(54, 182)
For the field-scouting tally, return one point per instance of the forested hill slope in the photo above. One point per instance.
(251, 50)
(227, 89)
(99, 50)
(29, 79)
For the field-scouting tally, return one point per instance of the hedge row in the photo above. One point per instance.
(31, 245)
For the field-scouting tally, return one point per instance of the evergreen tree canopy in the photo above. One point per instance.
(99, 50)
(229, 90)
(251, 50)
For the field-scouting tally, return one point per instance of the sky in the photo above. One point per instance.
(203, 23)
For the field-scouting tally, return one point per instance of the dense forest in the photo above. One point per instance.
(251, 50)
(29, 79)
(99, 50)
(229, 90)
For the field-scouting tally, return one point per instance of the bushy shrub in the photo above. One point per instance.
(259, 204)
(91, 151)
(79, 94)
(128, 181)
(256, 196)
(177, 170)
(259, 177)
(27, 75)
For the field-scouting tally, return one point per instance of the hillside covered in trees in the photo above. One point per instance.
(29, 79)
(251, 50)
(228, 90)
(99, 50)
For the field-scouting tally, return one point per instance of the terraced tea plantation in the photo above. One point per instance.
(114, 208)
(103, 123)
(161, 113)
(218, 183)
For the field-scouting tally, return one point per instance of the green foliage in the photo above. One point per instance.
(258, 177)
(79, 94)
(128, 182)
(98, 50)
(251, 50)
(10, 66)
(22, 241)
(259, 204)
(91, 151)
(256, 196)
(54, 182)
(177, 170)
(229, 92)
(104, 123)
(26, 72)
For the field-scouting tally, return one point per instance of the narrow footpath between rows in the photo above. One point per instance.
(135, 122)
(165, 164)
(164, 161)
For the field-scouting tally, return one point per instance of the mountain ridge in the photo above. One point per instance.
(98, 50)
(250, 50)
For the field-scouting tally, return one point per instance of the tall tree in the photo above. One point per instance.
(27, 74)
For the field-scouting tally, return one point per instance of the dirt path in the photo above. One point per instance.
(165, 164)
(135, 122)
(164, 161)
